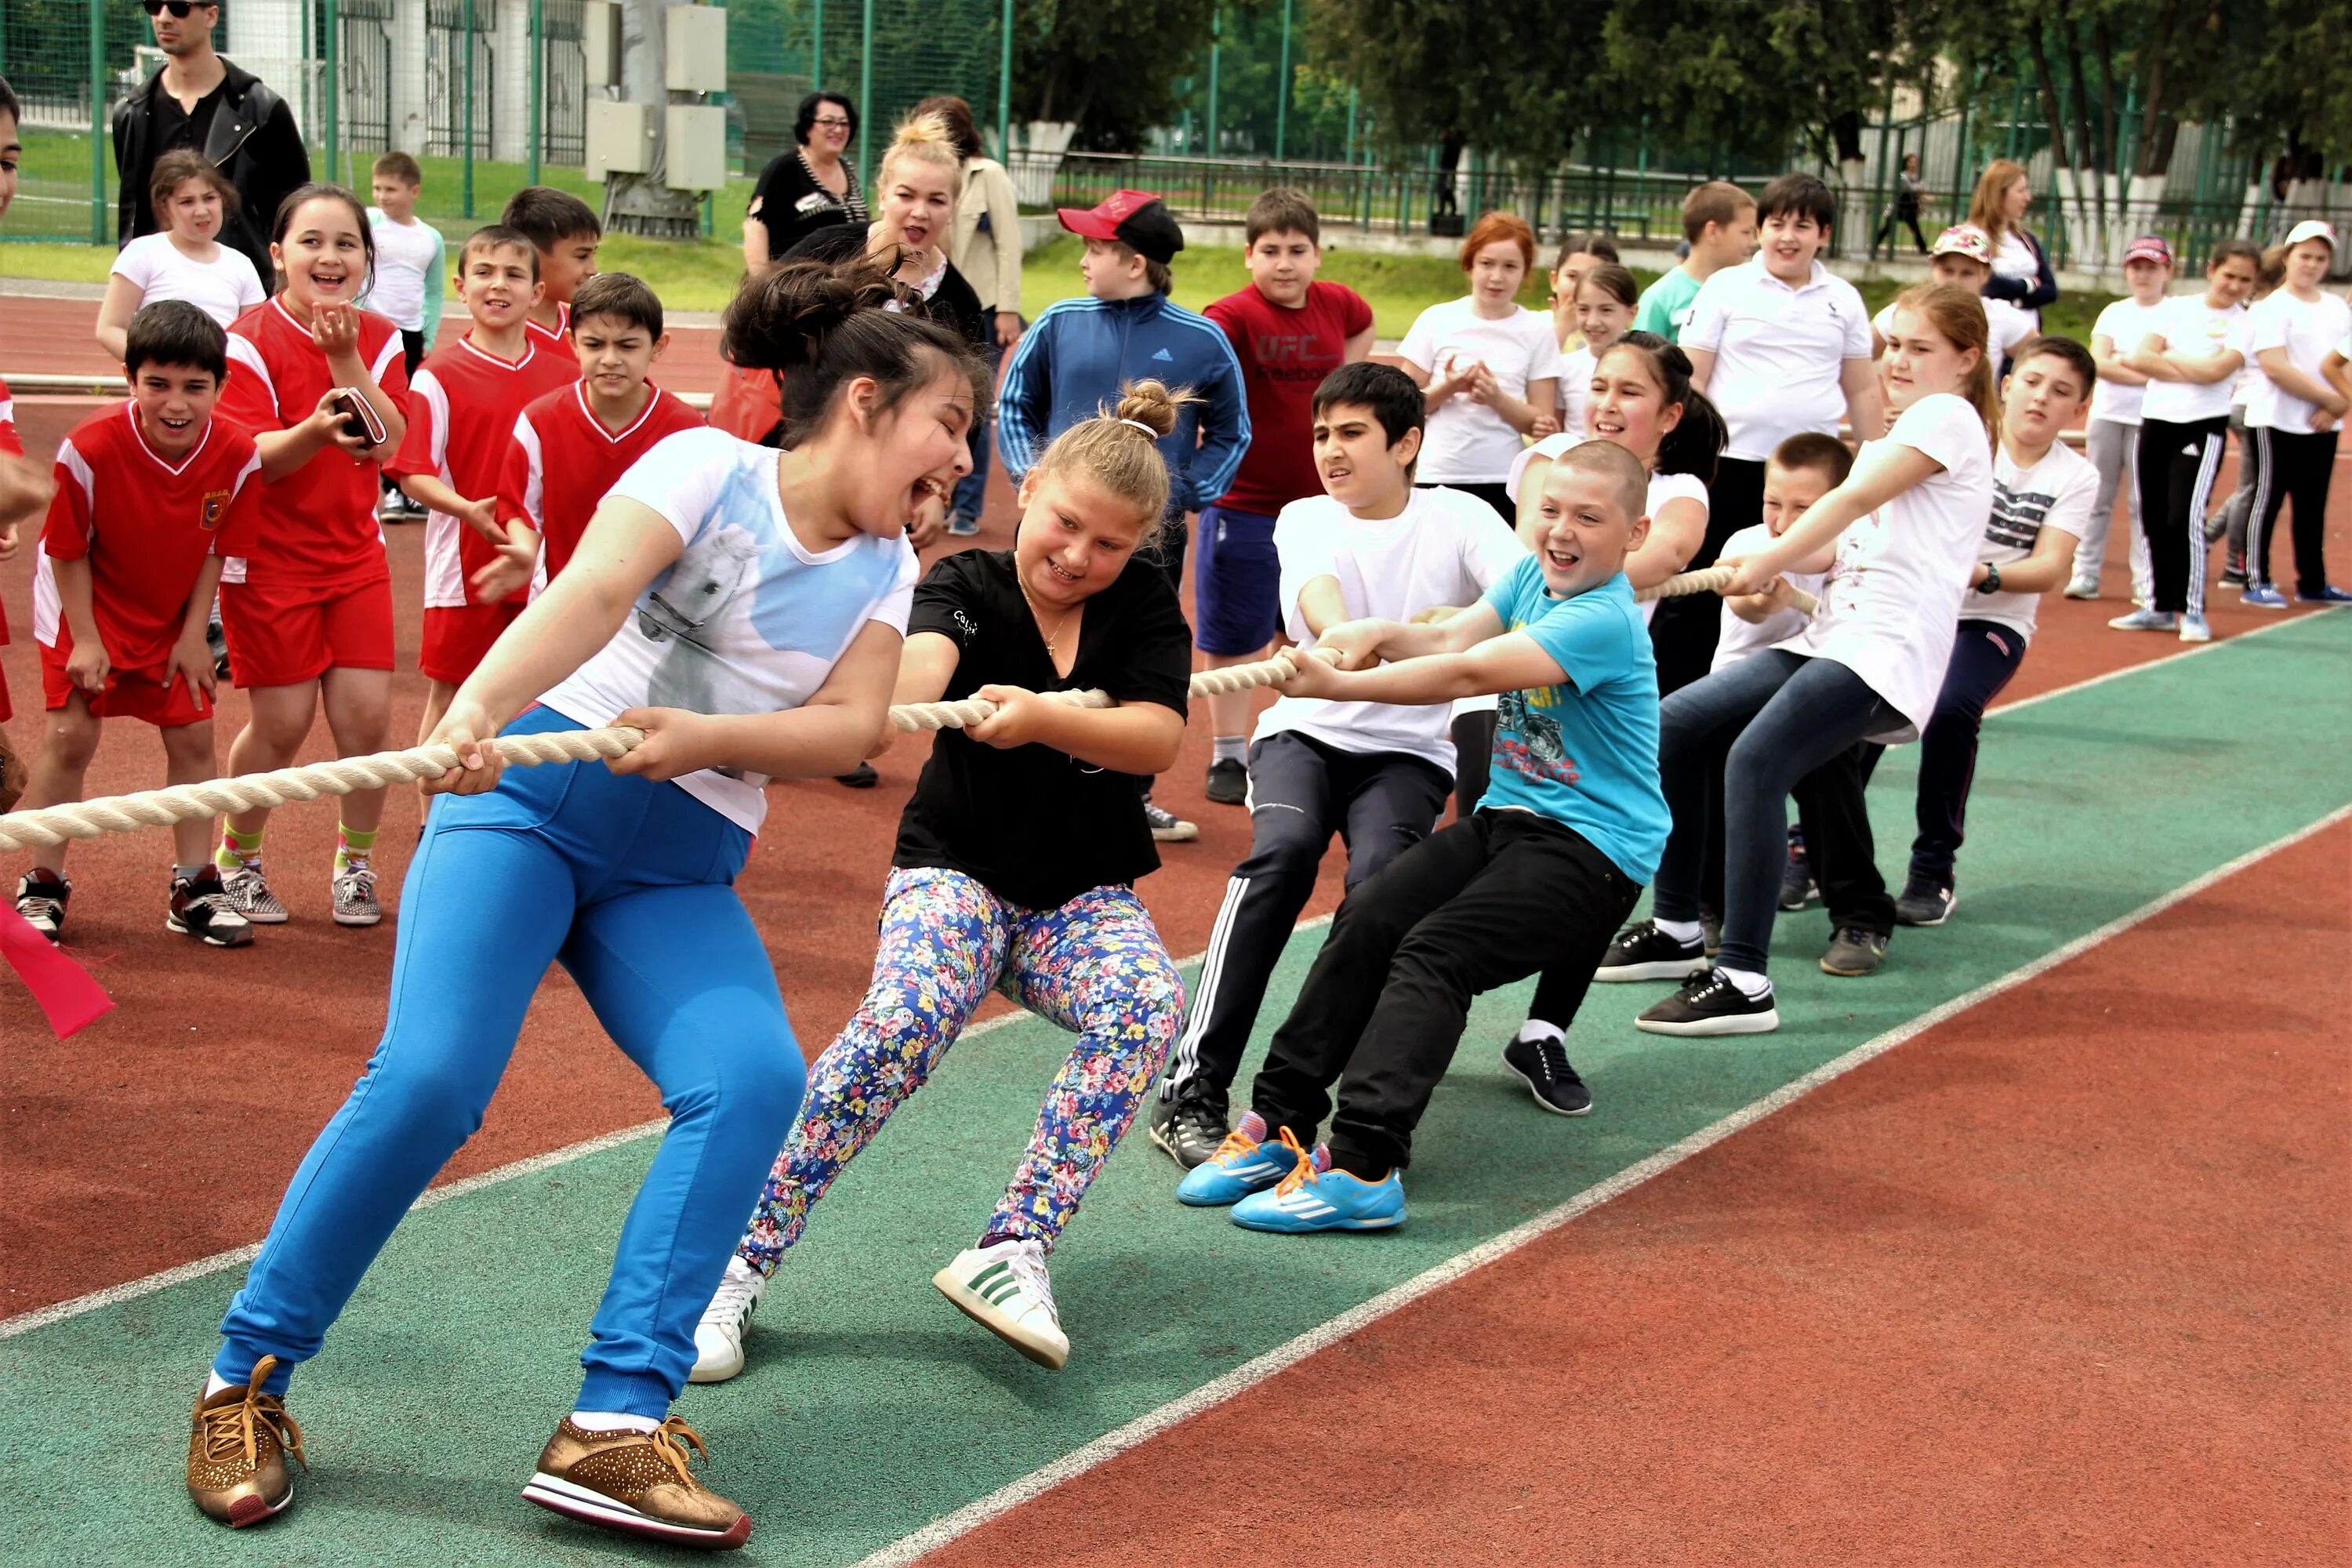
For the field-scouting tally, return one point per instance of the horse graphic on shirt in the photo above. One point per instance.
(703, 606)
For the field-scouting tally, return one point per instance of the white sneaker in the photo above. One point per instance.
(1003, 1289)
(249, 895)
(2083, 586)
(719, 1338)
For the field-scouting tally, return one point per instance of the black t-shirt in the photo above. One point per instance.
(1038, 827)
(793, 205)
(176, 127)
(952, 303)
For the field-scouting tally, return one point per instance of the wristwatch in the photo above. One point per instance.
(1991, 585)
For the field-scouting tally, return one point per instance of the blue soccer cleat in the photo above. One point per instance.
(1241, 1165)
(1309, 1200)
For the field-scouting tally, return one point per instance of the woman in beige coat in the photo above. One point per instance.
(985, 246)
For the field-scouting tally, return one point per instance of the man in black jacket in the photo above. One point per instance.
(232, 117)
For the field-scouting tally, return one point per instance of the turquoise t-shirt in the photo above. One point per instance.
(1585, 754)
(1665, 306)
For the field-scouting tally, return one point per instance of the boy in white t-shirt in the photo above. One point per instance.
(1779, 345)
(1372, 546)
(411, 275)
(2112, 436)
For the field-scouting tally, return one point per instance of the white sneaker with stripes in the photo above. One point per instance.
(1003, 1289)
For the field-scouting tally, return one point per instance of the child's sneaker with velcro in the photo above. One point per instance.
(1316, 1197)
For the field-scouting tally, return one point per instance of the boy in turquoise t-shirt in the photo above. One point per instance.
(1719, 226)
(1538, 877)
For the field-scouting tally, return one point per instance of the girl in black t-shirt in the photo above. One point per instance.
(1015, 868)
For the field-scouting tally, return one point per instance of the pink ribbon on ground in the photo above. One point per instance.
(64, 989)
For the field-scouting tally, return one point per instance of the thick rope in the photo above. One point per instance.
(160, 808)
(915, 717)
(1711, 580)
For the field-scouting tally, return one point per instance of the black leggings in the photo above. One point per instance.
(2289, 466)
(2177, 464)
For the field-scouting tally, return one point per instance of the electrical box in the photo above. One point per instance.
(694, 150)
(600, 22)
(620, 139)
(693, 56)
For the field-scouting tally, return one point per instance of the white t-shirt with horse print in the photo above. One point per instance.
(748, 620)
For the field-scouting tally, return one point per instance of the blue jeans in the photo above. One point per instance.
(1766, 721)
(1985, 656)
(971, 490)
(628, 885)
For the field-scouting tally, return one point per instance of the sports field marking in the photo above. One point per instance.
(130, 1291)
(1209, 1395)
(113, 1295)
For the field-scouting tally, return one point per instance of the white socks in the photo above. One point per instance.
(1229, 749)
(1685, 932)
(215, 1383)
(1751, 984)
(1536, 1029)
(612, 1421)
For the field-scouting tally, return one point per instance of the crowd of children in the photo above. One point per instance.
(1462, 538)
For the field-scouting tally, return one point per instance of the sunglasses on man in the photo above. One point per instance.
(179, 8)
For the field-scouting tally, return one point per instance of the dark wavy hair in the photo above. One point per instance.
(1695, 442)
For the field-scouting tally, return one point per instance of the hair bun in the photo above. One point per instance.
(782, 321)
(1151, 404)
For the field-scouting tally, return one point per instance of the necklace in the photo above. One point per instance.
(1054, 638)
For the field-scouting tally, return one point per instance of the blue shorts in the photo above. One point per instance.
(1238, 584)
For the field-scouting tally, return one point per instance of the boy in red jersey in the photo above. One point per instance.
(1289, 331)
(461, 411)
(570, 445)
(565, 232)
(150, 495)
(308, 609)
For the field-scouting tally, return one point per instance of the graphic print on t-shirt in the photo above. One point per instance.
(1530, 742)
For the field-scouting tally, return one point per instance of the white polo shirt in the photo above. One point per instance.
(1779, 353)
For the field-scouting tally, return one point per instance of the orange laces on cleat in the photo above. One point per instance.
(229, 1429)
(1302, 1172)
(1235, 1145)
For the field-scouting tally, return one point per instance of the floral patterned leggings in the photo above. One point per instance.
(1094, 965)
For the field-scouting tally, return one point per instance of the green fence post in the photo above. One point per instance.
(327, 46)
(1216, 42)
(536, 55)
(1282, 90)
(816, 48)
(466, 42)
(865, 87)
(98, 121)
(1349, 155)
(1004, 87)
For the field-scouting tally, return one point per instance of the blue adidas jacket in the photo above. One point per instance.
(1073, 360)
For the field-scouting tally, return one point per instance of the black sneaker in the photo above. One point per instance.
(1643, 951)
(2233, 576)
(1167, 827)
(201, 909)
(1925, 904)
(1854, 953)
(1796, 889)
(1228, 781)
(41, 899)
(1542, 1065)
(1709, 1003)
(862, 777)
(1189, 1127)
(1710, 931)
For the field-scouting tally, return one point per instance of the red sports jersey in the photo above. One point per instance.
(145, 526)
(561, 460)
(1285, 356)
(10, 443)
(461, 415)
(560, 335)
(318, 524)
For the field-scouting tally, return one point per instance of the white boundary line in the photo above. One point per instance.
(1076, 1463)
(114, 1295)
(130, 1291)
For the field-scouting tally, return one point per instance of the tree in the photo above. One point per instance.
(1109, 66)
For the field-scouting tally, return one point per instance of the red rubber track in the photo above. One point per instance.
(2062, 1280)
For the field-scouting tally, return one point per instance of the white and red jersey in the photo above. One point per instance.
(561, 459)
(318, 524)
(559, 335)
(145, 525)
(462, 409)
(11, 444)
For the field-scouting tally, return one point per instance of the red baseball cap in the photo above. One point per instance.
(2149, 247)
(1137, 219)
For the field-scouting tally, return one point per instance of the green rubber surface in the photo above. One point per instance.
(871, 1407)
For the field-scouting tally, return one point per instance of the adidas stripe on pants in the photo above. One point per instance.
(2178, 463)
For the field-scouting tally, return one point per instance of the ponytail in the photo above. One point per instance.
(1957, 314)
(1120, 450)
(1697, 439)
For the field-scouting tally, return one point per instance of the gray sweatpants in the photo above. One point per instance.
(2114, 452)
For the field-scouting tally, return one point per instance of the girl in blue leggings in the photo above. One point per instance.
(1016, 868)
(744, 607)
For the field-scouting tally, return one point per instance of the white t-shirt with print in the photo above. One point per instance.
(2006, 326)
(2307, 329)
(225, 288)
(2055, 492)
(2191, 328)
(1780, 352)
(1892, 599)
(2124, 322)
(1444, 548)
(747, 619)
(1664, 488)
(1469, 443)
(1739, 638)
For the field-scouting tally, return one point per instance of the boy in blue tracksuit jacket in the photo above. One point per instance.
(1073, 360)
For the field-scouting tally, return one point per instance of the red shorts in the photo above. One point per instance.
(285, 634)
(129, 694)
(456, 638)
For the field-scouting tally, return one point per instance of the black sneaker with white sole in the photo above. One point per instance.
(41, 899)
(1189, 1128)
(1643, 951)
(1542, 1065)
(1925, 904)
(1711, 1004)
(1796, 886)
(201, 909)
(1228, 783)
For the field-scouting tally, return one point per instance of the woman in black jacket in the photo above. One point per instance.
(808, 189)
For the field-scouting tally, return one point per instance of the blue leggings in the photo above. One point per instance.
(628, 885)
